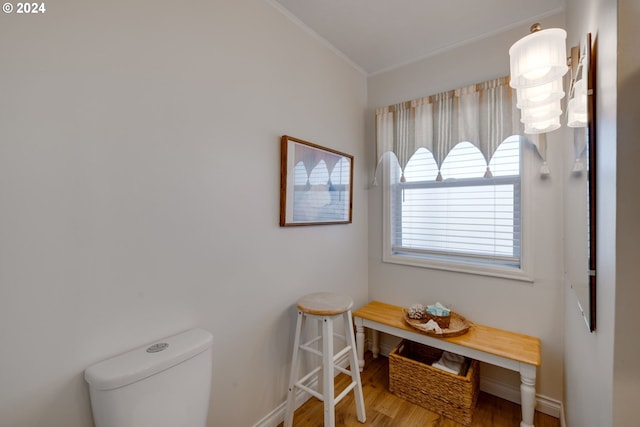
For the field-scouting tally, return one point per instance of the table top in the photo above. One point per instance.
(511, 345)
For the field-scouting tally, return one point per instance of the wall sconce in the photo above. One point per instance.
(538, 63)
(577, 109)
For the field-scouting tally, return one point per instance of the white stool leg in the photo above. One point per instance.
(319, 360)
(327, 370)
(293, 377)
(354, 367)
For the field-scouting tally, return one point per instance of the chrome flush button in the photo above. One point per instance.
(157, 347)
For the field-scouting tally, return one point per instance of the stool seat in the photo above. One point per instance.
(325, 304)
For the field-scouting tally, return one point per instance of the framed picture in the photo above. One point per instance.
(316, 184)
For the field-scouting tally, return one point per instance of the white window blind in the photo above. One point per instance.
(467, 216)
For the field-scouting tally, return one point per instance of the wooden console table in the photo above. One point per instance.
(517, 352)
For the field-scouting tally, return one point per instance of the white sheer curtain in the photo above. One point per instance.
(484, 114)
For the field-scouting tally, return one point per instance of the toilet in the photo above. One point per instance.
(163, 384)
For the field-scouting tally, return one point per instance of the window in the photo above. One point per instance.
(467, 219)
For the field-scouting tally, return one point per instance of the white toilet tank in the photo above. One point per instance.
(164, 384)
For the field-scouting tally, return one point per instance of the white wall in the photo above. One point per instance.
(139, 180)
(603, 376)
(627, 351)
(588, 397)
(531, 308)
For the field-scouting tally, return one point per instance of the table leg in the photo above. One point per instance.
(359, 341)
(527, 394)
(375, 343)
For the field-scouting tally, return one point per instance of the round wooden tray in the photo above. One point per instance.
(458, 325)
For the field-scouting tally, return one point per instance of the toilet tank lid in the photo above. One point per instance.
(147, 360)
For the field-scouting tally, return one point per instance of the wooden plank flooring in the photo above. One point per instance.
(387, 410)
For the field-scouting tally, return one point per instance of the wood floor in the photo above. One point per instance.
(384, 409)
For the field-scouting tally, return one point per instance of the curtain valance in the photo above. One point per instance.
(484, 114)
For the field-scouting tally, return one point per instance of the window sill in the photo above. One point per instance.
(461, 267)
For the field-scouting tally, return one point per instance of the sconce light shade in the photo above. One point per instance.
(542, 126)
(576, 118)
(538, 62)
(539, 95)
(541, 113)
(577, 106)
(538, 58)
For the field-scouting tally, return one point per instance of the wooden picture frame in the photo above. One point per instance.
(590, 66)
(316, 184)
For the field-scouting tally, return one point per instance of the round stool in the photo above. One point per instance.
(325, 307)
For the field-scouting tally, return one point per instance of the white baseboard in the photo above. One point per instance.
(276, 416)
(386, 348)
(544, 404)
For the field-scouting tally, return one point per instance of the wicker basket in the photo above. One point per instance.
(412, 377)
(442, 321)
